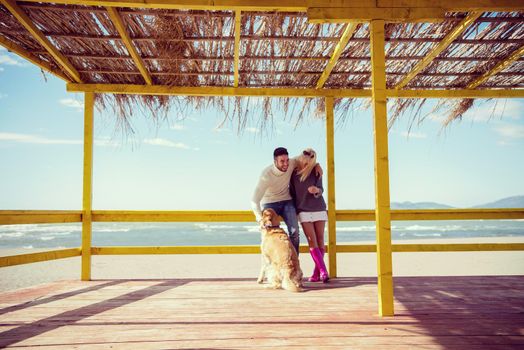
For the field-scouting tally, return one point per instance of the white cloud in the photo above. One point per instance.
(511, 131)
(9, 60)
(35, 139)
(414, 135)
(72, 103)
(39, 140)
(166, 143)
(252, 130)
(106, 142)
(177, 127)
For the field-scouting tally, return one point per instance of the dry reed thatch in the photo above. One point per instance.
(196, 48)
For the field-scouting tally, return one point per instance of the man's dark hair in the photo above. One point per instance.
(279, 151)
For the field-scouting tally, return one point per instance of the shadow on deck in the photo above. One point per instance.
(431, 313)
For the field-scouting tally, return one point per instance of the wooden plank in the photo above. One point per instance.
(251, 249)
(458, 93)
(444, 43)
(37, 257)
(458, 5)
(457, 214)
(28, 24)
(436, 247)
(380, 140)
(120, 27)
(483, 312)
(297, 5)
(87, 193)
(10, 217)
(17, 217)
(173, 216)
(339, 49)
(331, 199)
(215, 91)
(211, 5)
(289, 92)
(319, 15)
(237, 46)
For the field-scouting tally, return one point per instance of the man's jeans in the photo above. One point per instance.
(287, 210)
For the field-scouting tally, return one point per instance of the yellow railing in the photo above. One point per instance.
(10, 217)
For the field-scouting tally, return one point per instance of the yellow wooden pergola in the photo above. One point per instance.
(49, 50)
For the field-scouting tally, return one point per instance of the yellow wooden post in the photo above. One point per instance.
(382, 203)
(332, 221)
(87, 185)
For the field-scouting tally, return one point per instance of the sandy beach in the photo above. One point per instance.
(247, 265)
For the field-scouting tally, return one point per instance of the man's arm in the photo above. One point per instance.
(260, 189)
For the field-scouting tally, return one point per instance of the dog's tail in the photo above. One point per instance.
(289, 284)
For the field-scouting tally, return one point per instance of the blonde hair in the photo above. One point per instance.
(308, 162)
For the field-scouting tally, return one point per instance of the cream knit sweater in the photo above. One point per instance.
(273, 186)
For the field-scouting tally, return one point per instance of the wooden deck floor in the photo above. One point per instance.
(431, 313)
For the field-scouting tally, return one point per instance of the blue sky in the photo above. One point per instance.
(187, 163)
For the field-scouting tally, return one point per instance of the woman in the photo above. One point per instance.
(306, 189)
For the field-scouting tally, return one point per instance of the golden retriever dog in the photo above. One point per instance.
(279, 259)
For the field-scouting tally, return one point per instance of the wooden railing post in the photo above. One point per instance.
(332, 220)
(382, 201)
(87, 186)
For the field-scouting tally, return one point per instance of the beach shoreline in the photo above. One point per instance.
(248, 265)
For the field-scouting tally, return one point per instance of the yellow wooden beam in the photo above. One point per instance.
(298, 5)
(434, 214)
(121, 28)
(288, 92)
(215, 91)
(457, 5)
(515, 55)
(211, 5)
(37, 257)
(247, 249)
(20, 51)
(380, 137)
(441, 46)
(173, 216)
(458, 214)
(339, 48)
(87, 194)
(331, 202)
(457, 247)
(365, 14)
(28, 24)
(237, 45)
(437, 247)
(460, 93)
(17, 217)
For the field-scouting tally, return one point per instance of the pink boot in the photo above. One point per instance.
(318, 258)
(315, 277)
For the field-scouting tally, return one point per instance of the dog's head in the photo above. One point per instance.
(270, 218)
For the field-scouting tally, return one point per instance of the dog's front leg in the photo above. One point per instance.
(262, 274)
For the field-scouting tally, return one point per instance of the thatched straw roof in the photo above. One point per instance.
(277, 49)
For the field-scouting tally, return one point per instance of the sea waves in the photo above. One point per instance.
(168, 234)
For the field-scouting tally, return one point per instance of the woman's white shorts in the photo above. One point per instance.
(312, 216)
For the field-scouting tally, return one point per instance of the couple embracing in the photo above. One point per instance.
(293, 188)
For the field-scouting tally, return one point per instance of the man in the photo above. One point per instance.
(272, 191)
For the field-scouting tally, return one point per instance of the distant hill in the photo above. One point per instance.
(508, 202)
(419, 205)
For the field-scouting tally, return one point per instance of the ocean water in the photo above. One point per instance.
(185, 234)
